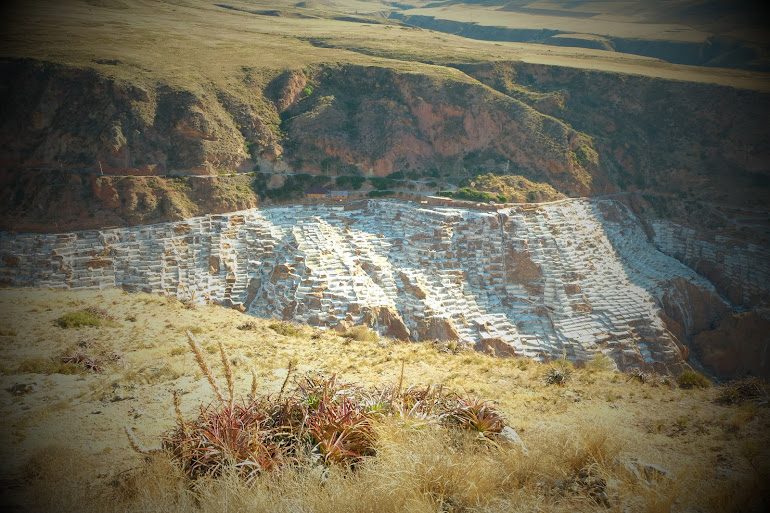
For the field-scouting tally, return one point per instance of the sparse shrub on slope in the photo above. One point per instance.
(693, 379)
(556, 376)
(283, 328)
(91, 316)
(322, 421)
(744, 390)
(361, 333)
(476, 415)
(600, 362)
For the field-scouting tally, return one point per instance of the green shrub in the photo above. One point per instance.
(86, 317)
(380, 183)
(351, 182)
(322, 421)
(284, 328)
(693, 379)
(600, 363)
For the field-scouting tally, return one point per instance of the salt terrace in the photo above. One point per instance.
(571, 278)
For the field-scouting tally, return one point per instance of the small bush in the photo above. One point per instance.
(361, 333)
(88, 362)
(754, 390)
(248, 326)
(284, 328)
(692, 379)
(641, 376)
(476, 415)
(352, 182)
(322, 421)
(556, 376)
(86, 317)
(600, 362)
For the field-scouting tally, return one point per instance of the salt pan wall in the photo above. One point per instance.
(575, 277)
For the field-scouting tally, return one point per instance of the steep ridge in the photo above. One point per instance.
(338, 118)
(574, 277)
(547, 123)
(698, 141)
(379, 121)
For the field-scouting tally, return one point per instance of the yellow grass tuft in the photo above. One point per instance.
(228, 374)
(196, 349)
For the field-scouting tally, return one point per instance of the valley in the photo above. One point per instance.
(472, 256)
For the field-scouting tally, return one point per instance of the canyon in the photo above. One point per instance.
(149, 170)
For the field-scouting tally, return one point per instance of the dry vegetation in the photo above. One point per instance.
(590, 438)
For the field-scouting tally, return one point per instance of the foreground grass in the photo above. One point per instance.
(600, 441)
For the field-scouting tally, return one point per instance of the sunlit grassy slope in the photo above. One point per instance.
(66, 450)
(191, 43)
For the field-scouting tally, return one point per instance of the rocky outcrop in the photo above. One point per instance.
(43, 201)
(73, 118)
(438, 328)
(738, 347)
(695, 140)
(389, 322)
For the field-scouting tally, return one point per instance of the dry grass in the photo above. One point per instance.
(66, 449)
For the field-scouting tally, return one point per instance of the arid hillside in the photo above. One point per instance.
(338, 88)
(79, 366)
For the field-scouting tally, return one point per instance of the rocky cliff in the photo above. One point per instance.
(62, 117)
(584, 132)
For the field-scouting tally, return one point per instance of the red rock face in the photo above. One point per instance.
(380, 121)
(739, 347)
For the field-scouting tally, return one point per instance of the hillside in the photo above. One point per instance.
(476, 255)
(581, 441)
(191, 88)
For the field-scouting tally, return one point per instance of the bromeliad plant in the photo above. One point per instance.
(322, 421)
(476, 415)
